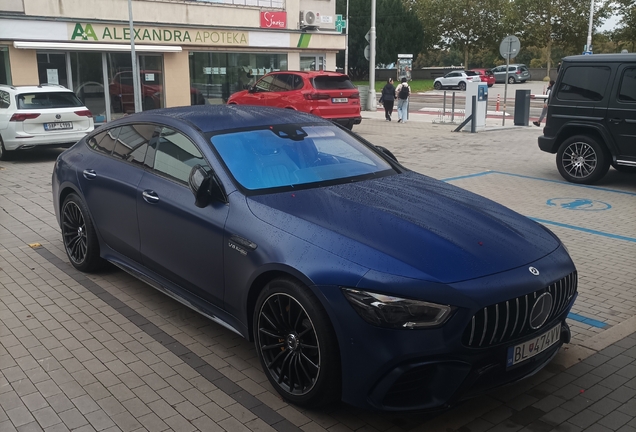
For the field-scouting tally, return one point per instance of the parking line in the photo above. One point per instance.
(540, 179)
(585, 320)
(586, 230)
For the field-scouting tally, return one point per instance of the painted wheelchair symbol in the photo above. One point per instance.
(582, 204)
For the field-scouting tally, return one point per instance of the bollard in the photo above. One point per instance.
(444, 104)
(497, 107)
(453, 109)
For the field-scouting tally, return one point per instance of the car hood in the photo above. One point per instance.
(409, 225)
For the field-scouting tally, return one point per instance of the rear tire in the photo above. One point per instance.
(5, 155)
(462, 86)
(581, 159)
(511, 80)
(296, 344)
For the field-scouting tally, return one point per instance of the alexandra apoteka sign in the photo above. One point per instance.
(276, 20)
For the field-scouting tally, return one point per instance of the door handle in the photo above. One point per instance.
(150, 196)
(616, 120)
(89, 174)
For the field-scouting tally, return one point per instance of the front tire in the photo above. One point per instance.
(79, 236)
(437, 85)
(581, 159)
(296, 344)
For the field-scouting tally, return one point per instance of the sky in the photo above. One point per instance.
(610, 23)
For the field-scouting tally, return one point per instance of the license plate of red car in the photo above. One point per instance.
(339, 100)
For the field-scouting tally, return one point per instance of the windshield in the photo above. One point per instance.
(293, 155)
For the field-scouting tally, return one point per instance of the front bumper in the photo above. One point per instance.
(428, 369)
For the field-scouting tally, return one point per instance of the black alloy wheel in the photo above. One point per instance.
(462, 86)
(296, 344)
(80, 239)
(437, 85)
(582, 160)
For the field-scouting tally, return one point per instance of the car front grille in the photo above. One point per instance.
(508, 320)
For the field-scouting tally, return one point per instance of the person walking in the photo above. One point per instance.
(544, 111)
(403, 92)
(388, 98)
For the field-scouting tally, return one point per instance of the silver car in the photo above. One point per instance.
(517, 73)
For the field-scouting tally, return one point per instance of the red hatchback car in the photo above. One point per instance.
(329, 95)
(486, 76)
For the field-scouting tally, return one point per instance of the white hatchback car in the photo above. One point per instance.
(44, 115)
(456, 79)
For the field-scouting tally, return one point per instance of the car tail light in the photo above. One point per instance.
(469, 78)
(355, 95)
(84, 113)
(316, 96)
(518, 72)
(18, 117)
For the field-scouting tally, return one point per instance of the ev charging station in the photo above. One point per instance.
(480, 91)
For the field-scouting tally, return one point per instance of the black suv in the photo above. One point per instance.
(591, 120)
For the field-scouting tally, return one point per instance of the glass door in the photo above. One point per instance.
(88, 82)
(5, 70)
(312, 62)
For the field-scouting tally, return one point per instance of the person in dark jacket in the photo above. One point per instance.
(388, 98)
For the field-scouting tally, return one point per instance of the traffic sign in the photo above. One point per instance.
(587, 52)
(509, 47)
(368, 36)
(367, 53)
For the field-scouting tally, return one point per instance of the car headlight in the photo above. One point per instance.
(395, 312)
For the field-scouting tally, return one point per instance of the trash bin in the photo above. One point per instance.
(364, 96)
(522, 107)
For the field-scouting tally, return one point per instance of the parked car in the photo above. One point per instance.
(591, 119)
(485, 75)
(122, 95)
(517, 73)
(356, 278)
(38, 116)
(329, 95)
(457, 79)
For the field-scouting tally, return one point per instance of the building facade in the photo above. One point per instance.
(188, 51)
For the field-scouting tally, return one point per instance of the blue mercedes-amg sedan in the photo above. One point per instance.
(356, 278)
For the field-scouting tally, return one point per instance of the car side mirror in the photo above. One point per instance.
(251, 89)
(387, 152)
(205, 187)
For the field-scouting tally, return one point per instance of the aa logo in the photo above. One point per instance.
(83, 33)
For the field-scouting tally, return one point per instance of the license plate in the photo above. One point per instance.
(339, 100)
(58, 126)
(529, 349)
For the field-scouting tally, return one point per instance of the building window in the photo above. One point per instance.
(5, 70)
(278, 4)
(214, 76)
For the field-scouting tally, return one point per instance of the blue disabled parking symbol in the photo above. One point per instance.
(582, 204)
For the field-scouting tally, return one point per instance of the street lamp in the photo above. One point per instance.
(371, 103)
(588, 47)
(135, 66)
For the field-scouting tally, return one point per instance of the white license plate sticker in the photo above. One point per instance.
(339, 100)
(58, 126)
(529, 349)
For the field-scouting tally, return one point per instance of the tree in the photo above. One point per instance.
(398, 30)
(625, 35)
(555, 23)
(466, 25)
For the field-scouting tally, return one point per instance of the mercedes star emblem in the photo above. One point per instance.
(534, 271)
(541, 310)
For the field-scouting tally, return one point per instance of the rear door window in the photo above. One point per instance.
(132, 142)
(5, 99)
(332, 83)
(627, 90)
(48, 100)
(584, 83)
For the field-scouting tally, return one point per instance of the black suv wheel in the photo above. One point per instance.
(581, 159)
